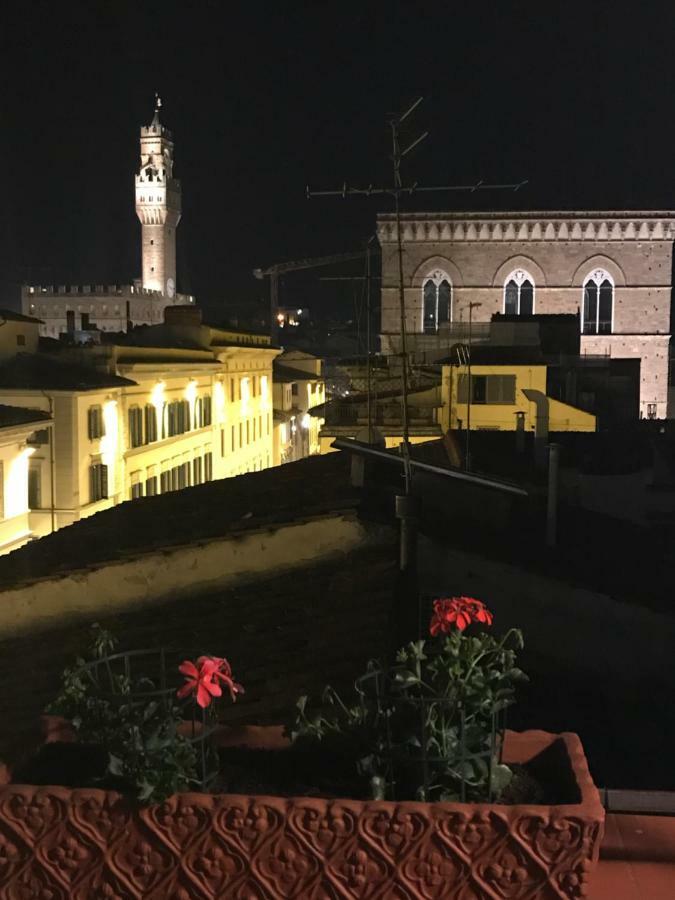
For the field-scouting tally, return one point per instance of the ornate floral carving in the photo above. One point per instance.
(62, 844)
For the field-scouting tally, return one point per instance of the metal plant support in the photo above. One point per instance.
(139, 677)
(397, 757)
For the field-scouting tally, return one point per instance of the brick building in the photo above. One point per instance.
(612, 269)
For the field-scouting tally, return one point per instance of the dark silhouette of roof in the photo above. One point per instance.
(31, 371)
(12, 316)
(288, 375)
(19, 415)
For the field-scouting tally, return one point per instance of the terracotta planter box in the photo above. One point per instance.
(67, 843)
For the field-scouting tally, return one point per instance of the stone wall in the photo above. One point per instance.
(175, 572)
(635, 250)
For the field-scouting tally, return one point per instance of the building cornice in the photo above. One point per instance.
(467, 227)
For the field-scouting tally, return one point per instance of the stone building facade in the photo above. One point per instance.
(613, 269)
(81, 309)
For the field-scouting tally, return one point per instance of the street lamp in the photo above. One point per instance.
(467, 456)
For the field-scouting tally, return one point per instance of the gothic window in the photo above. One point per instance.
(437, 301)
(519, 294)
(598, 303)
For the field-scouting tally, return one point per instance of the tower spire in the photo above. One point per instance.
(158, 106)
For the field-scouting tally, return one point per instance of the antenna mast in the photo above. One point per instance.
(397, 190)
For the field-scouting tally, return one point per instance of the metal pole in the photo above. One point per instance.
(467, 461)
(396, 157)
(368, 383)
(552, 500)
(274, 305)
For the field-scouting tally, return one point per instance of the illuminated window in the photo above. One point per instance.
(519, 294)
(437, 301)
(206, 411)
(177, 420)
(95, 427)
(150, 423)
(197, 470)
(98, 482)
(598, 303)
(135, 426)
(35, 486)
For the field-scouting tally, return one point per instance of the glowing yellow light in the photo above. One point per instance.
(16, 484)
(283, 435)
(265, 391)
(190, 394)
(219, 401)
(280, 317)
(157, 400)
(245, 395)
(306, 420)
(109, 442)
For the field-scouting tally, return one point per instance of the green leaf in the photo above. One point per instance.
(115, 765)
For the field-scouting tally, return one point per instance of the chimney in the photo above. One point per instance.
(183, 315)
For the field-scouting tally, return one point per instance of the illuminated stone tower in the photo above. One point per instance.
(158, 206)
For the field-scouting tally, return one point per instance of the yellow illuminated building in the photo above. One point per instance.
(499, 393)
(189, 405)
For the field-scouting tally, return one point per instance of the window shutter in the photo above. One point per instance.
(104, 481)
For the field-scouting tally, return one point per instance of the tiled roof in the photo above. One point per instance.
(286, 493)
(28, 371)
(12, 316)
(287, 374)
(19, 415)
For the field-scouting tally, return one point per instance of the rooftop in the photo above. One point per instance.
(286, 493)
(18, 415)
(11, 316)
(28, 371)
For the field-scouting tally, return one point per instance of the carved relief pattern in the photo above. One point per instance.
(76, 844)
(430, 231)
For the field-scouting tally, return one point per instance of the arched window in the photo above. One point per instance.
(596, 315)
(519, 294)
(437, 295)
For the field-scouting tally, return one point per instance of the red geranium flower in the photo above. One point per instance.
(458, 612)
(223, 672)
(199, 681)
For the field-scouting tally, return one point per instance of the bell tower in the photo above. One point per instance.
(158, 206)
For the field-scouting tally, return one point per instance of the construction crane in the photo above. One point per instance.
(273, 272)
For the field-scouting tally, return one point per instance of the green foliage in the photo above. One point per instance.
(139, 732)
(427, 724)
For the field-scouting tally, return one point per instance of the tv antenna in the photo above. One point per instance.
(397, 190)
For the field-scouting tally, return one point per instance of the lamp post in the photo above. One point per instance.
(467, 459)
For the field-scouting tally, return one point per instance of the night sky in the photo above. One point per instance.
(263, 99)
